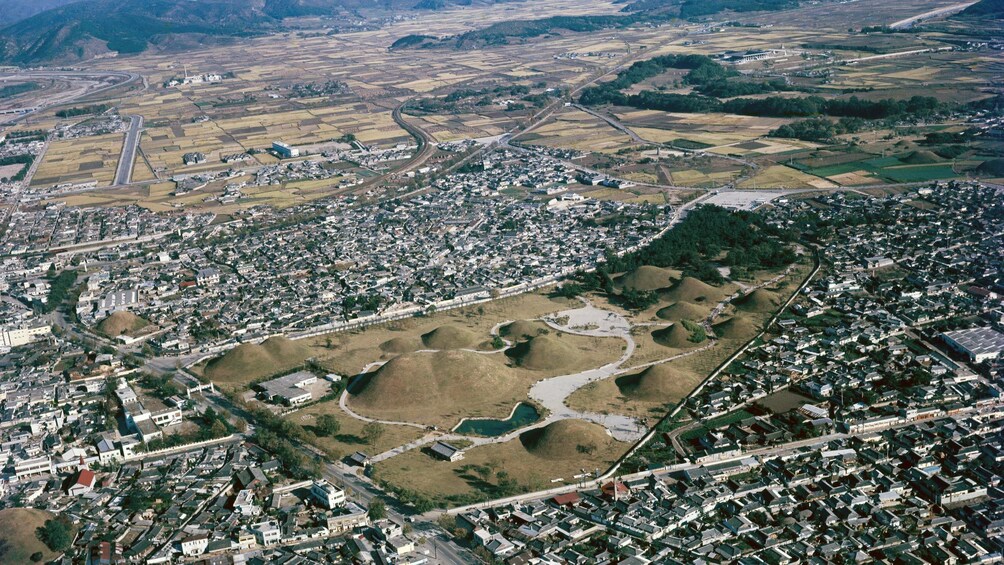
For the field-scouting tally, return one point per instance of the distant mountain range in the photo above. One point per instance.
(85, 28)
(64, 31)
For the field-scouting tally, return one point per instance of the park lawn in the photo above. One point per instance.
(350, 437)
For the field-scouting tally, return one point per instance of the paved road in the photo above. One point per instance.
(123, 175)
(426, 143)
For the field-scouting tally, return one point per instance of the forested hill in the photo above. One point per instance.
(990, 9)
(633, 13)
(85, 28)
(50, 31)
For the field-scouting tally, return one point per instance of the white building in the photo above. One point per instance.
(327, 495)
(290, 389)
(979, 344)
(284, 150)
(267, 533)
(194, 545)
(244, 504)
(14, 337)
(31, 467)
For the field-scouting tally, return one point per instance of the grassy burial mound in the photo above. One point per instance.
(401, 345)
(760, 301)
(448, 337)
(689, 289)
(18, 541)
(921, 157)
(658, 383)
(523, 329)
(648, 277)
(566, 439)
(543, 353)
(438, 388)
(684, 311)
(992, 168)
(737, 327)
(675, 336)
(121, 323)
(250, 361)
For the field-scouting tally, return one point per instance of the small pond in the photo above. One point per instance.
(523, 415)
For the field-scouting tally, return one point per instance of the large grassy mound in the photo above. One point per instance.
(250, 361)
(993, 168)
(523, 329)
(565, 439)
(689, 289)
(760, 300)
(684, 311)
(543, 353)
(401, 345)
(737, 327)
(448, 337)
(121, 323)
(658, 383)
(427, 387)
(648, 277)
(921, 157)
(17, 535)
(675, 336)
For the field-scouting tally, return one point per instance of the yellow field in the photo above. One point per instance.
(82, 160)
(779, 176)
(575, 129)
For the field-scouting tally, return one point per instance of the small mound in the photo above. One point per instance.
(684, 311)
(542, 353)
(921, 157)
(564, 439)
(693, 290)
(648, 277)
(18, 541)
(448, 337)
(992, 167)
(759, 300)
(658, 383)
(737, 327)
(121, 323)
(523, 329)
(249, 361)
(400, 345)
(433, 382)
(675, 336)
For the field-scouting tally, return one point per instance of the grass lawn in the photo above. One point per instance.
(469, 480)
(17, 535)
(350, 437)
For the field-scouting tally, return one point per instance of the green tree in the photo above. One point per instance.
(378, 509)
(372, 432)
(56, 533)
(327, 425)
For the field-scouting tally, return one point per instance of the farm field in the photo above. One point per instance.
(574, 129)
(80, 161)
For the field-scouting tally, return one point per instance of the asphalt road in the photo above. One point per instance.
(123, 175)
